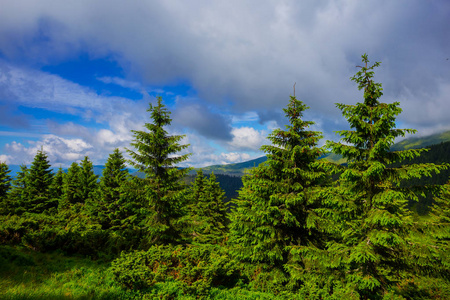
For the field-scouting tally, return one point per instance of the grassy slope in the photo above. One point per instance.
(28, 275)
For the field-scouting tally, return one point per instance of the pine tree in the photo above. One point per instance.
(72, 186)
(214, 212)
(40, 178)
(5, 185)
(108, 206)
(57, 186)
(208, 210)
(376, 249)
(155, 155)
(87, 180)
(274, 213)
(19, 192)
(438, 227)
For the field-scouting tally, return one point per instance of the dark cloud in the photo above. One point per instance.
(249, 54)
(199, 118)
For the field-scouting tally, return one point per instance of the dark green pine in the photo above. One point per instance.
(108, 206)
(274, 217)
(40, 177)
(72, 186)
(19, 192)
(57, 186)
(5, 185)
(375, 250)
(210, 212)
(156, 153)
(88, 180)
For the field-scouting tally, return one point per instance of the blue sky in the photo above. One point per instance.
(77, 76)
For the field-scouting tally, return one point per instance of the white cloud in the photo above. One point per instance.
(7, 159)
(247, 138)
(246, 54)
(121, 82)
(59, 150)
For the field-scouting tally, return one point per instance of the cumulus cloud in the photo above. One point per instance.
(59, 150)
(247, 138)
(245, 54)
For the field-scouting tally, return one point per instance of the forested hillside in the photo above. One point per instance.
(300, 227)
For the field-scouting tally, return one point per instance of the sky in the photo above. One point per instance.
(77, 76)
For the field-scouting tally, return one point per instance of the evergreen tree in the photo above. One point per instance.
(155, 155)
(379, 243)
(19, 192)
(209, 213)
(108, 206)
(87, 180)
(213, 212)
(57, 186)
(72, 186)
(275, 209)
(5, 184)
(438, 227)
(40, 178)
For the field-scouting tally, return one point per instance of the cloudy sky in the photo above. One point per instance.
(77, 76)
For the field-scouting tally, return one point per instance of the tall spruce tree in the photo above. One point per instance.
(109, 207)
(40, 177)
(72, 186)
(5, 185)
(155, 154)
(87, 180)
(378, 237)
(19, 192)
(274, 212)
(57, 186)
(209, 212)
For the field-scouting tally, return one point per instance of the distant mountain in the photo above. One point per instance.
(237, 169)
(422, 142)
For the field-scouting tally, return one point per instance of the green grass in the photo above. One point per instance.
(30, 275)
(27, 275)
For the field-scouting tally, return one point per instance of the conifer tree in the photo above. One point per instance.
(109, 207)
(72, 186)
(40, 178)
(87, 180)
(57, 186)
(375, 250)
(19, 192)
(155, 154)
(274, 212)
(214, 211)
(5, 184)
(208, 210)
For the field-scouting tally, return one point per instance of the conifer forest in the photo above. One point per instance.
(299, 228)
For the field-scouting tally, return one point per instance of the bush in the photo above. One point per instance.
(193, 269)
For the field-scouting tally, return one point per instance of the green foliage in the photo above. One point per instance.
(275, 211)
(379, 239)
(57, 186)
(71, 187)
(18, 194)
(108, 207)
(38, 193)
(5, 184)
(194, 269)
(87, 181)
(209, 213)
(155, 155)
(33, 275)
